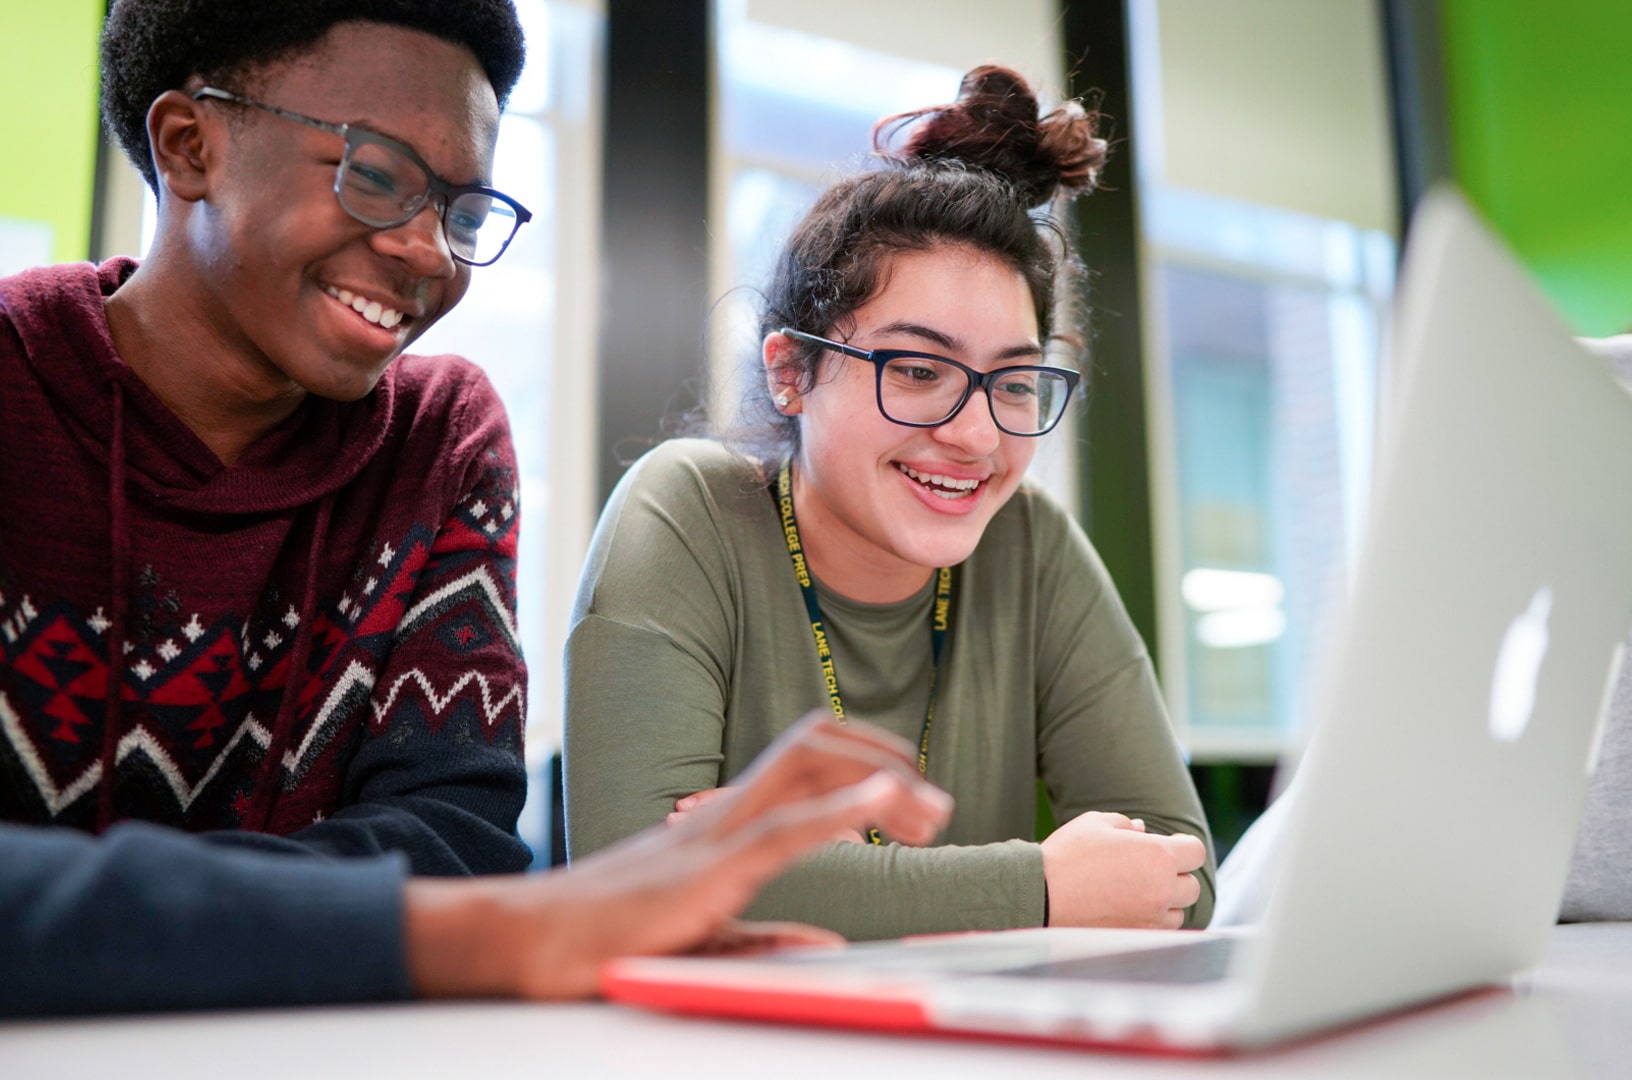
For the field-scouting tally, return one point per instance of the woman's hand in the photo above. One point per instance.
(1106, 870)
(675, 888)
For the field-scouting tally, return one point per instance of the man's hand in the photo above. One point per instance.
(686, 805)
(1105, 870)
(675, 888)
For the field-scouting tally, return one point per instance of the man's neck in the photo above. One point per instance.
(163, 333)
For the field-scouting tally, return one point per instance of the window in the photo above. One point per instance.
(1267, 346)
(529, 321)
(1265, 189)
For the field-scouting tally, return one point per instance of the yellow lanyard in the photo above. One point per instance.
(940, 621)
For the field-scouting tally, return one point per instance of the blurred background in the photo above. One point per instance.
(1266, 157)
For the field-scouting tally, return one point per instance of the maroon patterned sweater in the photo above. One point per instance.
(316, 643)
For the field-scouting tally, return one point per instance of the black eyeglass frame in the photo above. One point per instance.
(977, 380)
(354, 135)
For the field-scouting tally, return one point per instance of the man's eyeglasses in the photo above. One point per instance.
(383, 183)
(924, 390)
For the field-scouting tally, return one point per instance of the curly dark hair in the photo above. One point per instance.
(983, 172)
(150, 46)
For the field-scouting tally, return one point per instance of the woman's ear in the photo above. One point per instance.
(782, 374)
(177, 138)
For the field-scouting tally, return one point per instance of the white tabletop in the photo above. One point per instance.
(1571, 1017)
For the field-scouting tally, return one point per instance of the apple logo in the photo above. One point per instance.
(1518, 666)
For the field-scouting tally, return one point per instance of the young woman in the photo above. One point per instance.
(864, 543)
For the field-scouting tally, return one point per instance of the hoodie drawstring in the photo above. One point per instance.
(267, 782)
(113, 715)
(270, 780)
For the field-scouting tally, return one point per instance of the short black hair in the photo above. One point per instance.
(150, 46)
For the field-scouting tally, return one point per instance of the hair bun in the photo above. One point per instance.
(994, 126)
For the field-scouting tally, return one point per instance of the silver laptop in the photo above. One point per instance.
(1457, 719)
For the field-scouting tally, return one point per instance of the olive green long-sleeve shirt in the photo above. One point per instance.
(691, 651)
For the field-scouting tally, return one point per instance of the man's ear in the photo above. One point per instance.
(177, 136)
(782, 375)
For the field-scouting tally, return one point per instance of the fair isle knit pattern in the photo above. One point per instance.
(198, 735)
(410, 707)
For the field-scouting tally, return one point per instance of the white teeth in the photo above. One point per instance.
(935, 481)
(372, 310)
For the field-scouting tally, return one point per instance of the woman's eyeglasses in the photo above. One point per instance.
(918, 389)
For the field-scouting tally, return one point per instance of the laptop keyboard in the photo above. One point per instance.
(1196, 962)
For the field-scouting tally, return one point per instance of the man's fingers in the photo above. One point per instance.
(910, 809)
(737, 938)
(905, 807)
(815, 757)
(698, 798)
(821, 725)
(870, 747)
(914, 822)
(812, 762)
(730, 862)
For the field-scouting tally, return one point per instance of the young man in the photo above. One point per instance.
(256, 566)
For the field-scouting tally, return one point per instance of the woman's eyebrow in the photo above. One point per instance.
(952, 344)
(919, 330)
(1027, 351)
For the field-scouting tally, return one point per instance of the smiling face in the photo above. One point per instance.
(881, 505)
(296, 295)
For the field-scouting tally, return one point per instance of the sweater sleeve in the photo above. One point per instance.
(647, 663)
(1104, 740)
(439, 772)
(145, 918)
(440, 775)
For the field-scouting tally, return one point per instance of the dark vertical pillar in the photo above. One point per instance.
(654, 247)
(1416, 75)
(98, 247)
(108, 156)
(1115, 467)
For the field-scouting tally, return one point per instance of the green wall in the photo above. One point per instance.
(48, 125)
(1539, 103)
